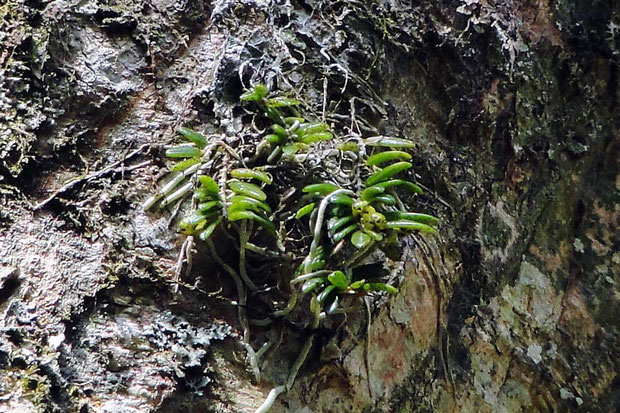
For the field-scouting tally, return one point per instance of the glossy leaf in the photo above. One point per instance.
(206, 206)
(371, 192)
(357, 284)
(183, 151)
(410, 226)
(341, 199)
(305, 210)
(410, 186)
(387, 173)
(386, 157)
(340, 235)
(290, 150)
(289, 121)
(245, 173)
(360, 239)
(248, 189)
(412, 216)
(335, 223)
(386, 199)
(323, 295)
(279, 130)
(389, 142)
(339, 279)
(322, 188)
(312, 284)
(239, 215)
(246, 202)
(207, 232)
(193, 136)
(273, 138)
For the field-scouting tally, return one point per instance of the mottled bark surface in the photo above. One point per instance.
(514, 106)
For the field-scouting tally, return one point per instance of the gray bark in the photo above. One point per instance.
(513, 105)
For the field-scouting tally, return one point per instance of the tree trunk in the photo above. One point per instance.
(513, 107)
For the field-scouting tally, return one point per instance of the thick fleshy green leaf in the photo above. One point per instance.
(209, 185)
(410, 226)
(193, 136)
(316, 137)
(341, 199)
(289, 121)
(360, 239)
(335, 223)
(313, 127)
(357, 284)
(380, 287)
(412, 216)
(339, 279)
(323, 295)
(245, 173)
(279, 130)
(324, 188)
(281, 102)
(389, 142)
(410, 186)
(340, 235)
(371, 192)
(208, 231)
(386, 199)
(387, 156)
(257, 93)
(248, 189)
(188, 224)
(387, 172)
(183, 151)
(207, 206)
(251, 215)
(245, 202)
(303, 211)
(273, 138)
(312, 284)
(184, 164)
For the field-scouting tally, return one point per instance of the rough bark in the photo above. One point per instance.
(514, 106)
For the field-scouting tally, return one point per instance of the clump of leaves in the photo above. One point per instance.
(291, 133)
(244, 190)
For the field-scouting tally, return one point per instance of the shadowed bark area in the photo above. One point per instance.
(513, 107)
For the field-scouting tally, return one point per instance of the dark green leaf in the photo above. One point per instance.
(387, 173)
(410, 226)
(312, 284)
(193, 136)
(323, 295)
(412, 216)
(246, 188)
(322, 188)
(340, 235)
